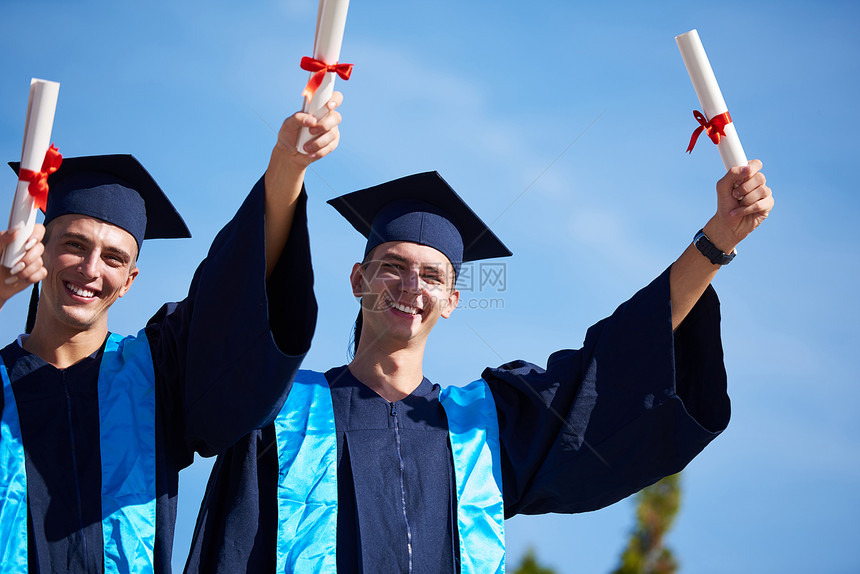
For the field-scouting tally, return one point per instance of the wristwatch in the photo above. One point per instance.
(709, 250)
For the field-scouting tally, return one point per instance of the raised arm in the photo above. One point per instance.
(28, 270)
(227, 354)
(642, 397)
(743, 202)
(286, 172)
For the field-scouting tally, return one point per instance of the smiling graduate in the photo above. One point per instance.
(96, 426)
(371, 467)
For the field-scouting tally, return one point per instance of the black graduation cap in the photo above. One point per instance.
(116, 189)
(424, 209)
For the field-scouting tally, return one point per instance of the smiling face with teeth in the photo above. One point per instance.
(90, 265)
(404, 288)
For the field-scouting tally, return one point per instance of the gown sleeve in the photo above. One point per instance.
(635, 404)
(225, 357)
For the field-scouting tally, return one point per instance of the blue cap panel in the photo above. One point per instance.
(420, 223)
(109, 202)
(424, 209)
(116, 189)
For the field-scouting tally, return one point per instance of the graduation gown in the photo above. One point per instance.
(636, 403)
(223, 359)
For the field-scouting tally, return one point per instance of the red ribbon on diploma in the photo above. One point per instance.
(715, 128)
(320, 67)
(38, 187)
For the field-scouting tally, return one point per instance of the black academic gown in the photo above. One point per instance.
(224, 359)
(636, 403)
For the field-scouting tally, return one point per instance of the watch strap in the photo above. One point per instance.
(710, 251)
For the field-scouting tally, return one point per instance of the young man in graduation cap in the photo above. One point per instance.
(95, 426)
(370, 467)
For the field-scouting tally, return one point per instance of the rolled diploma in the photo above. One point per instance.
(331, 21)
(710, 97)
(37, 137)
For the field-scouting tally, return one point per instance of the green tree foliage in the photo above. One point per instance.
(655, 513)
(529, 565)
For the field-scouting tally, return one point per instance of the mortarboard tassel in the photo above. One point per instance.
(31, 311)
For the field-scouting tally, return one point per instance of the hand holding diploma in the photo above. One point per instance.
(743, 203)
(743, 199)
(331, 21)
(323, 135)
(286, 172)
(36, 163)
(29, 269)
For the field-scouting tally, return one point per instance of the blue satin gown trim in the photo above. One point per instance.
(473, 431)
(307, 480)
(13, 486)
(127, 441)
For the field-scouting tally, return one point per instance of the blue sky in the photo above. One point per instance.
(564, 125)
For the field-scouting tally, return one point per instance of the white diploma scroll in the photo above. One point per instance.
(37, 138)
(331, 21)
(710, 97)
